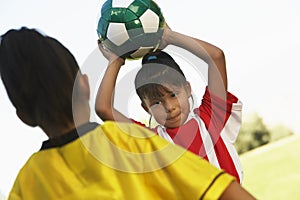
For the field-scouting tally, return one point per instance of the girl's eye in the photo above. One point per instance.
(156, 102)
(173, 95)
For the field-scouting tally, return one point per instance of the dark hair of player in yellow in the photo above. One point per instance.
(39, 85)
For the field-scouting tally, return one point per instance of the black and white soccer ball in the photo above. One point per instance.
(131, 28)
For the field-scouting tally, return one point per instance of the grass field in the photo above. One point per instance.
(272, 172)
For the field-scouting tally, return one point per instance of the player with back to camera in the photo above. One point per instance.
(209, 130)
(82, 159)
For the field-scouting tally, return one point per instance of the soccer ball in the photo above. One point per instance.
(130, 28)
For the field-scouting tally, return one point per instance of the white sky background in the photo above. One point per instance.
(260, 40)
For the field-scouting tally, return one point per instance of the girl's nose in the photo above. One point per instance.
(169, 106)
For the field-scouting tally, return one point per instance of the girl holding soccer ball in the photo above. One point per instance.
(210, 130)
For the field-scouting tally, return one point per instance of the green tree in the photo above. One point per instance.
(253, 133)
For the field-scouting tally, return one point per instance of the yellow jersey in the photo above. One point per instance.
(116, 161)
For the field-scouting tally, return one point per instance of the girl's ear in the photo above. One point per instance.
(82, 86)
(86, 85)
(188, 88)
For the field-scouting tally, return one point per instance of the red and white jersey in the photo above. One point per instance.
(211, 132)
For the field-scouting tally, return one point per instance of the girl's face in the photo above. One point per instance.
(172, 108)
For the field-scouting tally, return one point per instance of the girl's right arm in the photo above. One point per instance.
(104, 104)
(212, 55)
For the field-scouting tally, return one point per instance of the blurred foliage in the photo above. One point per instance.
(280, 131)
(255, 133)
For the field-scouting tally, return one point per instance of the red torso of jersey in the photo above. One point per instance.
(211, 132)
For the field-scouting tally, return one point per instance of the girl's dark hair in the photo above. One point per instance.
(158, 69)
(38, 73)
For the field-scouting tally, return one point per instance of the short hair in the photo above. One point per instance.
(38, 73)
(158, 68)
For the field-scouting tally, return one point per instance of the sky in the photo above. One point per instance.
(260, 40)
